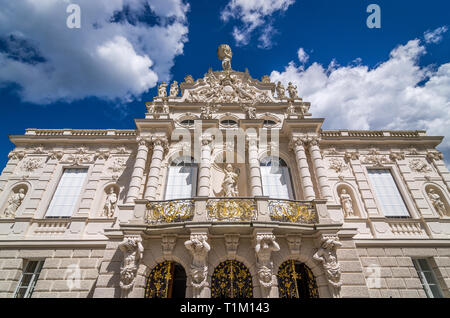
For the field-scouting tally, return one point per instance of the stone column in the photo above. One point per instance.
(159, 145)
(204, 175)
(319, 168)
(138, 171)
(255, 172)
(298, 145)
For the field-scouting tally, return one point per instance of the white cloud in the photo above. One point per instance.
(436, 35)
(253, 15)
(396, 94)
(303, 57)
(114, 55)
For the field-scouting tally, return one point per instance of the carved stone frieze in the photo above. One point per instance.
(338, 165)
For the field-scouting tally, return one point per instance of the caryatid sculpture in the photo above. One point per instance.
(199, 248)
(224, 54)
(229, 184)
(133, 251)
(265, 245)
(346, 201)
(111, 199)
(437, 202)
(14, 202)
(326, 255)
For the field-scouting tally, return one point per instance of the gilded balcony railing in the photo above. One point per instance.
(169, 211)
(231, 209)
(293, 211)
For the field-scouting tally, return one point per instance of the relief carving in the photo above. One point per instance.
(199, 249)
(265, 245)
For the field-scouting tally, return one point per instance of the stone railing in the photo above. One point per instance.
(80, 132)
(373, 133)
(293, 211)
(406, 228)
(169, 211)
(231, 209)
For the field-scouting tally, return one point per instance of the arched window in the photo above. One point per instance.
(228, 122)
(295, 280)
(276, 179)
(181, 179)
(231, 279)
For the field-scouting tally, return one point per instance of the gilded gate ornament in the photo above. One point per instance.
(231, 279)
(231, 209)
(292, 211)
(159, 279)
(295, 280)
(170, 211)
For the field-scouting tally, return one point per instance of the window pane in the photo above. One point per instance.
(427, 278)
(28, 279)
(181, 180)
(275, 177)
(387, 193)
(67, 193)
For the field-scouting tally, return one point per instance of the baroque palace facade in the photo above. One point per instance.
(227, 188)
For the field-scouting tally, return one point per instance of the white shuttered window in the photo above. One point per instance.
(276, 179)
(181, 179)
(67, 193)
(387, 193)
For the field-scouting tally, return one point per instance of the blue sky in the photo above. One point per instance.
(99, 76)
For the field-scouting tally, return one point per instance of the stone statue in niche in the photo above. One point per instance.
(437, 202)
(14, 202)
(110, 204)
(162, 91)
(229, 184)
(224, 54)
(347, 203)
(280, 90)
(174, 89)
(292, 90)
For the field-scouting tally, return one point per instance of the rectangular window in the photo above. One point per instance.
(28, 279)
(181, 182)
(67, 193)
(387, 193)
(276, 182)
(427, 278)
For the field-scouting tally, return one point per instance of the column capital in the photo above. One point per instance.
(160, 141)
(298, 141)
(142, 141)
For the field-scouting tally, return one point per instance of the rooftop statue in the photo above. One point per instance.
(224, 54)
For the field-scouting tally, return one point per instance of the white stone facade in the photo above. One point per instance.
(113, 253)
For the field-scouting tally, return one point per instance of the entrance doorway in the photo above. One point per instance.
(295, 280)
(231, 279)
(166, 280)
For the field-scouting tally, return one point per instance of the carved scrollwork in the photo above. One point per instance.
(419, 166)
(231, 209)
(293, 211)
(338, 165)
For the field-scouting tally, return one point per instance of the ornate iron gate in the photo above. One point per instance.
(295, 280)
(160, 281)
(231, 279)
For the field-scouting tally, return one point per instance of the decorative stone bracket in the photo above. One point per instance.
(199, 248)
(265, 245)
